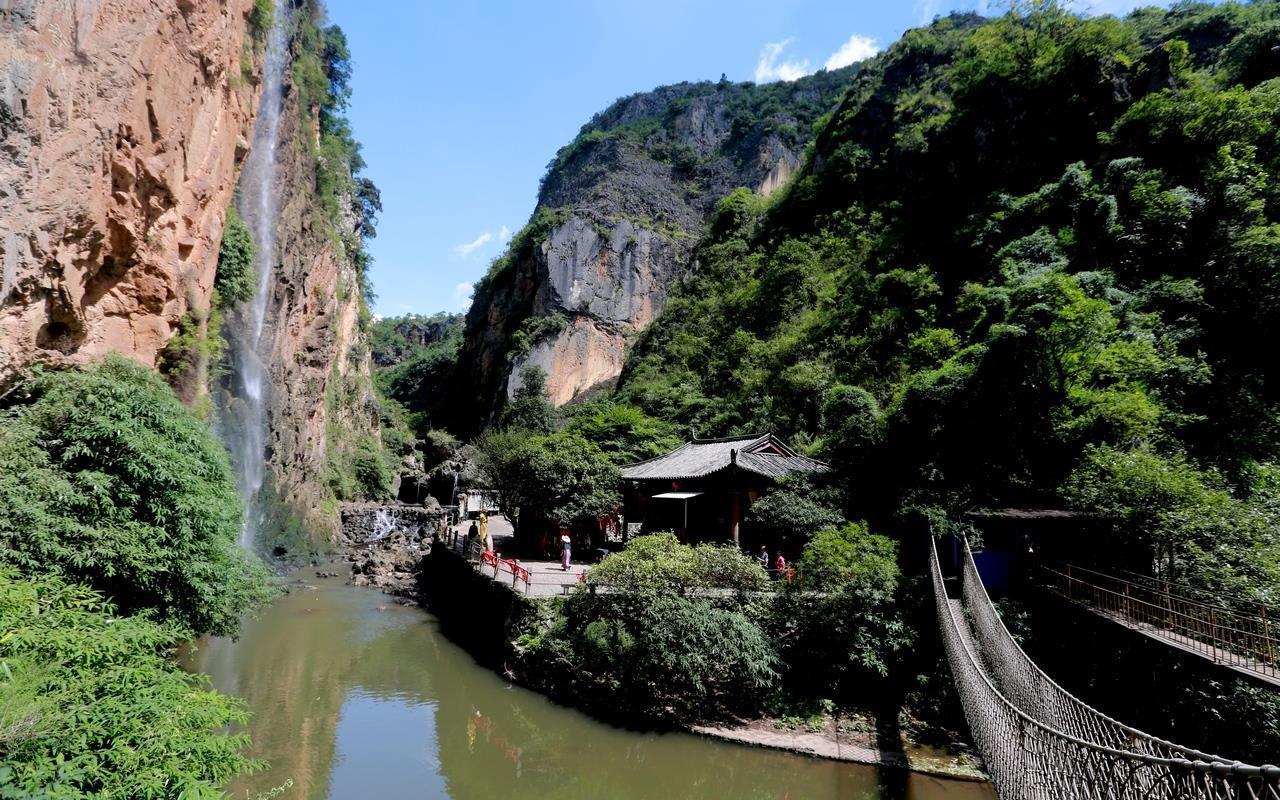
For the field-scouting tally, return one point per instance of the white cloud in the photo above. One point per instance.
(504, 233)
(858, 48)
(768, 68)
(462, 295)
(464, 250)
(926, 10)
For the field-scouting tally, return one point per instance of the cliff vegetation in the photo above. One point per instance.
(117, 542)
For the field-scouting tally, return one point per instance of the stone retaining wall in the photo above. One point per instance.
(369, 522)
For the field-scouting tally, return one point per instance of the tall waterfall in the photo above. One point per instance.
(245, 429)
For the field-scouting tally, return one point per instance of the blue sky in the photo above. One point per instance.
(460, 106)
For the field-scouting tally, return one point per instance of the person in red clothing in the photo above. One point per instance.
(780, 563)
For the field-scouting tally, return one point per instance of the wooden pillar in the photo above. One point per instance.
(735, 513)
(735, 502)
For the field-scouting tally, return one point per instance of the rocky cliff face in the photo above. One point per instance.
(617, 216)
(121, 127)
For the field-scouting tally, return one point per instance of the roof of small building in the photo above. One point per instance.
(765, 455)
(1029, 513)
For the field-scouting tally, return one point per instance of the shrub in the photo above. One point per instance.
(236, 279)
(371, 471)
(657, 564)
(260, 20)
(108, 480)
(666, 658)
(92, 705)
(727, 567)
(651, 565)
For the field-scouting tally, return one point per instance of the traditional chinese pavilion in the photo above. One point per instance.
(703, 489)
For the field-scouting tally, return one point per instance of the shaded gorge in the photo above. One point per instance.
(356, 697)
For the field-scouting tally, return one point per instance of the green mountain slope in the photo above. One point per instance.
(1030, 260)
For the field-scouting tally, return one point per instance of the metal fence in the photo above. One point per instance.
(1218, 631)
(487, 562)
(1027, 727)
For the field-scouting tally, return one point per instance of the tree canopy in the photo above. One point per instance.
(107, 479)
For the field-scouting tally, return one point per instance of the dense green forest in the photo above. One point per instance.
(416, 361)
(1029, 260)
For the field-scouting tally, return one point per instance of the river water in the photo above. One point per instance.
(356, 697)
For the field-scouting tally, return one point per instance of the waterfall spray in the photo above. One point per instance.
(245, 432)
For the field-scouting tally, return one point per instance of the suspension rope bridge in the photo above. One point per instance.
(1040, 742)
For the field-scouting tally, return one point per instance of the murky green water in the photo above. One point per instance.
(356, 697)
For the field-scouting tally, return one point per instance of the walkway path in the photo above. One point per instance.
(546, 578)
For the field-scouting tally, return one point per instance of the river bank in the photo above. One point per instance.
(831, 743)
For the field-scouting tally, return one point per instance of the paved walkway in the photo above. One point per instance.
(546, 578)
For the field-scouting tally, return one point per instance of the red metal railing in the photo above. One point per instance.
(490, 559)
(1246, 641)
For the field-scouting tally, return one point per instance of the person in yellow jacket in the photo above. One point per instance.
(485, 544)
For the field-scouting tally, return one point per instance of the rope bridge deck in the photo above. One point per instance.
(1040, 742)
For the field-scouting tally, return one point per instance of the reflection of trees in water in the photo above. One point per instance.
(297, 664)
(294, 666)
(499, 742)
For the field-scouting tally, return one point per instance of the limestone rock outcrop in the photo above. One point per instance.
(121, 127)
(618, 214)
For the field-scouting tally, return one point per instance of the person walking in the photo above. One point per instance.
(566, 551)
(764, 558)
(485, 544)
(780, 564)
(472, 546)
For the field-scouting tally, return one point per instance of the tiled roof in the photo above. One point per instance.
(702, 457)
(1029, 513)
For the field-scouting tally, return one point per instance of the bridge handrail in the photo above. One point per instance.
(1250, 643)
(1264, 605)
(1058, 704)
(1163, 587)
(1010, 770)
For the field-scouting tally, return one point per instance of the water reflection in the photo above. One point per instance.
(355, 697)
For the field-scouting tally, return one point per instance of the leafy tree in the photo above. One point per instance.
(529, 408)
(1193, 528)
(840, 629)
(106, 479)
(795, 507)
(559, 477)
(850, 556)
(93, 705)
(236, 279)
(625, 433)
